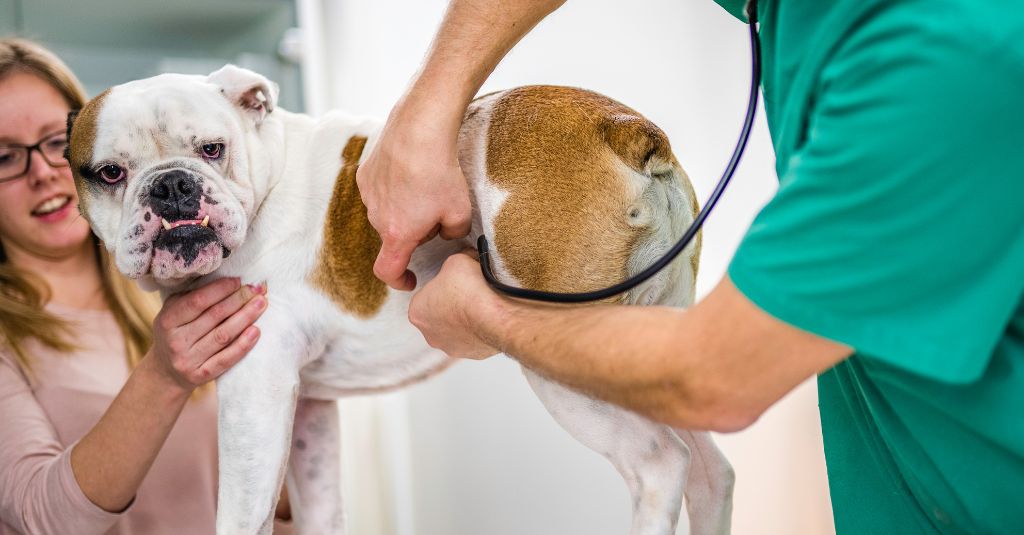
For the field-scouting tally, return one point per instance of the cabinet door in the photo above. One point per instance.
(106, 42)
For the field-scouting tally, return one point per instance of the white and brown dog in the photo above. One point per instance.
(186, 178)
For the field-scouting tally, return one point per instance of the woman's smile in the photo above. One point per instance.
(53, 209)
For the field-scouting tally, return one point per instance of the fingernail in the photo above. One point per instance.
(260, 302)
(258, 289)
(251, 332)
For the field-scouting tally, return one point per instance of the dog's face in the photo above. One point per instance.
(170, 169)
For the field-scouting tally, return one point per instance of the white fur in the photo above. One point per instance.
(273, 190)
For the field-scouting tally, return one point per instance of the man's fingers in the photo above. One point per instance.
(228, 332)
(216, 365)
(456, 225)
(430, 235)
(186, 307)
(392, 262)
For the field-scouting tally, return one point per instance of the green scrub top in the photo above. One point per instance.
(898, 229)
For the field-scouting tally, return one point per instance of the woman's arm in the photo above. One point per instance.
(411, 182)
(44, 487)
(197, 337)
(38, 492)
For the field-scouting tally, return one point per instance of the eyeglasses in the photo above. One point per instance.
(15, 160)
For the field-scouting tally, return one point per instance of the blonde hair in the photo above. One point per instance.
(24, 294)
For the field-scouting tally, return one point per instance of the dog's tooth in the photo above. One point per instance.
(167, 226)
(206, 221)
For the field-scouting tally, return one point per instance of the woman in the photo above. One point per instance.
(104, 427)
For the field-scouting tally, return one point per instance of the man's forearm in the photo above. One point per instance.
(630, 356)
(472, 39)
(718, 365)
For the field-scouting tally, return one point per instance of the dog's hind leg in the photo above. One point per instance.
(314, 485)
(650, 457)
(709, 485)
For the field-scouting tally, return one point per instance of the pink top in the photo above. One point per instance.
(42, 416)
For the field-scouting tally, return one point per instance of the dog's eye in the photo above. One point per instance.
(111, 173)
(212, 151)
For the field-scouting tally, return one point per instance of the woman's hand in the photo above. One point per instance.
(196, 337)
(199, 334)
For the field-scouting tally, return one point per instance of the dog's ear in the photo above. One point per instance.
(72, 115)
(253, 93)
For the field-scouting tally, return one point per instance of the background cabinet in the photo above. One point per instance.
(107, 42)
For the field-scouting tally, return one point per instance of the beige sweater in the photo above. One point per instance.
(42, 416)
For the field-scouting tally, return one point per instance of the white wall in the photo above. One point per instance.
(483, 456)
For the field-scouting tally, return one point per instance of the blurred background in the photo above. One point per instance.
(473, 452)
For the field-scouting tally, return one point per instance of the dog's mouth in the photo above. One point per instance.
(186, 240)
(205, 222)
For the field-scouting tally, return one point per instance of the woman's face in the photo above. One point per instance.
(39, 211)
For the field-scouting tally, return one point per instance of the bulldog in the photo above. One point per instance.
(188, 178)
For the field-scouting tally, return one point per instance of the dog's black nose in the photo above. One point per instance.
(175, 195)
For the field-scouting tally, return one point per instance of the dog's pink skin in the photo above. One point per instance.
(139, 240)
(218, 218)
(168, 265)
(165, 265)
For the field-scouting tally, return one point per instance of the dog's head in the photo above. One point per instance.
(171, 169)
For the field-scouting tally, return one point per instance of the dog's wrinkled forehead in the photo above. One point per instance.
(161, 116)
(165, 116)
(148, 119)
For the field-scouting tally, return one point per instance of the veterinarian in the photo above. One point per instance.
(890, 263)
(102, 428)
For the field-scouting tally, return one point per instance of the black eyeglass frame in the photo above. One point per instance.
(38, 146)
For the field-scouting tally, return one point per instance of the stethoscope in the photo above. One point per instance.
(639, 278)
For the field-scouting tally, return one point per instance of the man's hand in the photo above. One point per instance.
(449, 309)
(411, 183)
(413, 188)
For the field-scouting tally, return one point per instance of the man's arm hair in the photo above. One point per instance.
(474, 36)
(717, 366)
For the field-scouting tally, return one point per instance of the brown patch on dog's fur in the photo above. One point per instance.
(636, 141)
(81, 140)
(559, 151)
(345, 264)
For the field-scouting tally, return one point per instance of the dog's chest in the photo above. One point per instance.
(312, 244)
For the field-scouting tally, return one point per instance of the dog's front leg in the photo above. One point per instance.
(256, 405)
